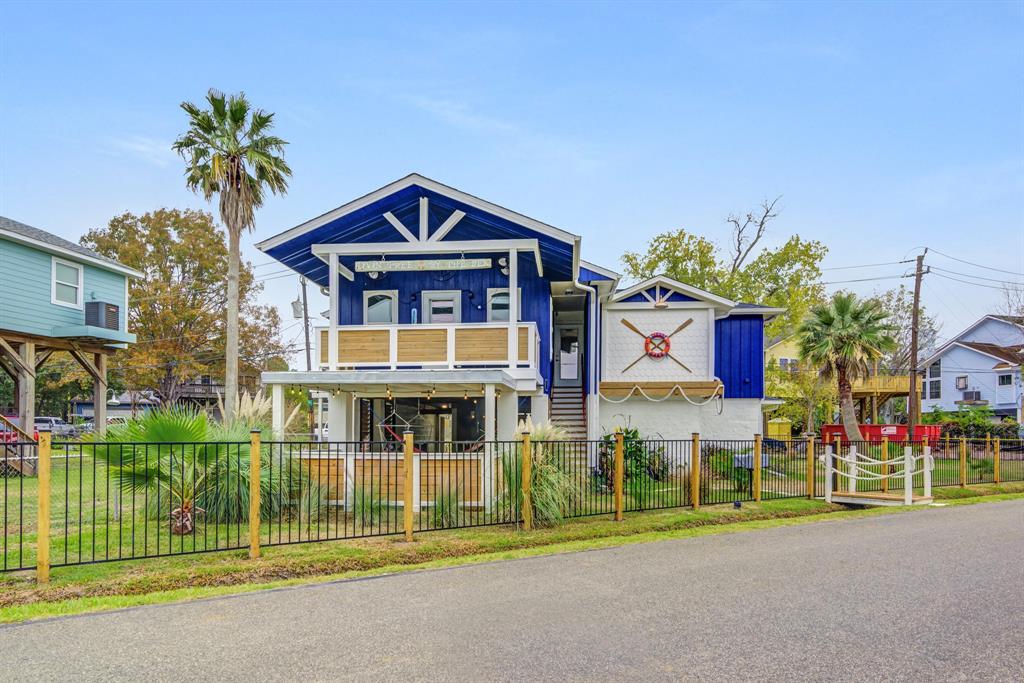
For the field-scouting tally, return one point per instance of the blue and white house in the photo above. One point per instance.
(981, 366)
(56, 295)
(454, 317)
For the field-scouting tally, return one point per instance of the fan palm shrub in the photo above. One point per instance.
(842, 338)
(185, 465)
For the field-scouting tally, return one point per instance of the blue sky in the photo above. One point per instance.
(885, 127)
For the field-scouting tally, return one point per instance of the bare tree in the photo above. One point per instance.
(1013, 299)
(748, 230)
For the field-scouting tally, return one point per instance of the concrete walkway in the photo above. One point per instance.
(930, 595)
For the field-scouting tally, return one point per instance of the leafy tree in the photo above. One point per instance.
(787, 276)
(898, 304)
(842, 338)
(229, 153)
(176, 309)
(809, 396)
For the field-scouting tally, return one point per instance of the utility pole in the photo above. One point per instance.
(914, 398)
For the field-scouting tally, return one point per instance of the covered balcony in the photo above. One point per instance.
(417, 346)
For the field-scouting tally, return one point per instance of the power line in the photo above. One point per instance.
(968, 282)
(977, 277)
(866, 265)
(867, 279)
(977, 265)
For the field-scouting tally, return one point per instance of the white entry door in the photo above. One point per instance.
(569, 356)
(442, 307)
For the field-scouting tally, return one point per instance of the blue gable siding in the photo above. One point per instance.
(26, 281)
(536, 296)
(739, 355)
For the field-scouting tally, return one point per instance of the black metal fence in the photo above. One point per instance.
(119, 501)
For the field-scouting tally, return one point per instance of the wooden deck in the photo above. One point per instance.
(876, 498)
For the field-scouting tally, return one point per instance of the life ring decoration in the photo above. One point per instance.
(657, 345)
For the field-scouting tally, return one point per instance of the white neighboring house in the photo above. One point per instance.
(981, 366)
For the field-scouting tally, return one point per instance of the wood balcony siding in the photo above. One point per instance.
(882, 385)
(465, 344)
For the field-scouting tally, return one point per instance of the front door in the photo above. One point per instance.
(442, 307)
(569, 356)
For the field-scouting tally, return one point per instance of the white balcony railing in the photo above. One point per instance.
(428, 346)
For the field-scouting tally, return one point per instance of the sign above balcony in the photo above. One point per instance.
(422, 264)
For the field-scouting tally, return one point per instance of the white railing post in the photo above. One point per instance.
(450, 346)
(908, 475)
(332, 339)
(926, 466)
(829, 463)
(851, 467)
(393, 347)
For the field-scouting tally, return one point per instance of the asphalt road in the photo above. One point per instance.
(936, 595)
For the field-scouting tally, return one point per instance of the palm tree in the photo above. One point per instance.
(842, 338)
(228, 152)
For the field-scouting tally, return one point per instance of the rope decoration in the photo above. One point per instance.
(927, 462)
(637, 389)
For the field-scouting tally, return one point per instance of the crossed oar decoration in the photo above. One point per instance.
(657, 344)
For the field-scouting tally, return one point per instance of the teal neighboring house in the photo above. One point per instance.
(56, 295)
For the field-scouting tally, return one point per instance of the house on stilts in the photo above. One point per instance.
(454, 317)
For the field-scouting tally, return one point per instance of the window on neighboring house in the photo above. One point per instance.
(380, 308)
(67, 284)
(935, 370)
(935, 389)
(961, 382)
(1005, 380)
(497, 305)
(784, 364)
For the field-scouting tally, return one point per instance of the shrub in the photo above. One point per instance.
(447, 504)
(638, 455)
(552, 490)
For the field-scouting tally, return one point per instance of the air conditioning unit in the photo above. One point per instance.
(972, 396)
(102, 314)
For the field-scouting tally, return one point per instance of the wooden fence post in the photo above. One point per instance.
(254, 494)
(619, 467)
(527, 467)
(885, 467)
(995, 462)
(407, 481)
(810, 467)
(695, 470)
(757, 468)
(43, 519)
(963, 461)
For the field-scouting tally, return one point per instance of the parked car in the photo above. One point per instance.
(8, 435)
(56, 426)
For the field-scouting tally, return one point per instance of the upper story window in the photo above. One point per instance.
(497, 305)
(931, 387)
(961, 382)
(380, 307)
(935, 370)
(66, 283)
(1005, 380)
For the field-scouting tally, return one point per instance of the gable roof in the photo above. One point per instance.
(390, 214)
(665, 281)
(1013, 355)
(47, 241)
(1009, 319)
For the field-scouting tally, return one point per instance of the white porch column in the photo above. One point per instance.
(489, 413)
(332, 337)
(539, 408)
(277, 411)
(339, 414)
(513, 308)
(508, 415)
(593, 417)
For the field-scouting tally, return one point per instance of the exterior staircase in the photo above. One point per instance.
(568, 411)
